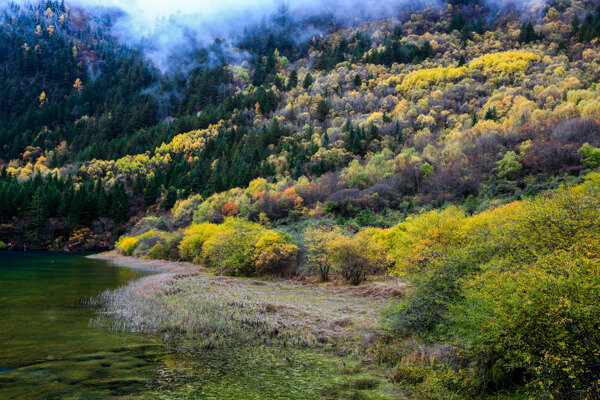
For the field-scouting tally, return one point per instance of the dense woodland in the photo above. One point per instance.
(454, 146)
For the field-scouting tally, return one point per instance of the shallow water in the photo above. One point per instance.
(48, 349)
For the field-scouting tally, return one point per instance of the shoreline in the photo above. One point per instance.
(178, 267)
(301, 311)
(388, 289)
(241, 320)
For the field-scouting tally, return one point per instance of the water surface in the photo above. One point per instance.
(48, 348)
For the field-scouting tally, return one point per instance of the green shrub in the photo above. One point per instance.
(158, 252)
(239, 246)
(515, 288)
(231, 248)
(147, 241)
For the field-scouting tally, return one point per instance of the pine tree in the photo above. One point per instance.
(308, 81)
(169, 201)
(292, 80)
(151, 192)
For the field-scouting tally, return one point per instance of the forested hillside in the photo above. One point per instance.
(460, 104)
(454, 145)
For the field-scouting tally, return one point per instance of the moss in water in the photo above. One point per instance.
(274, 373)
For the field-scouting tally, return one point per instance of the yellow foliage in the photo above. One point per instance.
(425, 78)
(126, 245)
(509, 62)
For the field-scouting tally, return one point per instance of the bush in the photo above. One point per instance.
(356, 257)
(151, 224)
(353, 257)
(194, 237)
(231, 248)
(183, 210)
(147, 241)
(277, 259)
(3, 246)
(239, 246)
(158, 252)
(590, 156)
(517, 289)
(126, 245)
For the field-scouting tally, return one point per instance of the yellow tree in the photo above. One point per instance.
(43, 99)
(78, 85)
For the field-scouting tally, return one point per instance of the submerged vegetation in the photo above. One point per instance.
(452, 147)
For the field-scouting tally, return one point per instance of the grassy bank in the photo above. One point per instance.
(288, 339)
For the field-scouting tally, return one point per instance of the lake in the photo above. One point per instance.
(51, 349)
(48, 347)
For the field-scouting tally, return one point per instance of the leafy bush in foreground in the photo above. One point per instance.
(515, 289)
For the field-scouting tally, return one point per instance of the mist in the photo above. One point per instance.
(170, 31)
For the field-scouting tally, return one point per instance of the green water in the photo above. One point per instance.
(48, 348)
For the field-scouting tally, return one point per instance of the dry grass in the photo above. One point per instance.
(212, 310)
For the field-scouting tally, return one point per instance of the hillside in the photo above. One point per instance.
(453, 145)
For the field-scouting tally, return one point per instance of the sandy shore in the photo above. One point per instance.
(386, 289)
(158, 265)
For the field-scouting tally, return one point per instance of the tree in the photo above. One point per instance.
(527, 33)
(590, 156)
(78, 85)
(151, 192)
(356, 257)
(317, 239)
(322, 110)
(308, 81)
(43, 99)
(509, 166)
(491, 114)
(292, 80)
(170, 199)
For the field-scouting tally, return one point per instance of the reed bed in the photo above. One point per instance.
(199, 310)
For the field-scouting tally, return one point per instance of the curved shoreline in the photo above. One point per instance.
(140, 263)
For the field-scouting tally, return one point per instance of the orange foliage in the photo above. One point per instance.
(229, 209)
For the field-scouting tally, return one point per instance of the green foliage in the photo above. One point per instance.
(158, 252)
(426, 169)
(308, 81)
(590, 156)
(517, 285)
(509, 166)
(322, 110)
(239, 247)
(170, 199)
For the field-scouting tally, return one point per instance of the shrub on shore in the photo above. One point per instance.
(514, 289)
(354, 257)
(126, 245)
(236, 246)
